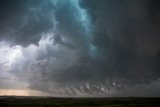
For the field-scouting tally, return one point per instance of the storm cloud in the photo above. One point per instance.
(81, 47)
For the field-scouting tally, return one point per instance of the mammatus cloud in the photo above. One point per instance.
(80, 47)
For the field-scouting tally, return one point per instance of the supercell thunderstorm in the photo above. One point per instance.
(73, 47)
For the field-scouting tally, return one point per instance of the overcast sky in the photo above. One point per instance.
(80, 47)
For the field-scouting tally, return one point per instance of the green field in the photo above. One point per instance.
(11, 101)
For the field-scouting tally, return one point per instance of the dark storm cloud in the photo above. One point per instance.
(22, 21)
(114, 47)
(129, 31)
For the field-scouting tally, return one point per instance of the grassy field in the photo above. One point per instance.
(12, 101)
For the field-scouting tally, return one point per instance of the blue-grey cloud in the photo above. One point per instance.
(78, 47)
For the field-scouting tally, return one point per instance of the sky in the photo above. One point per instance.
(80, 48)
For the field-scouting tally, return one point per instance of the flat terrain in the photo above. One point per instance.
(13, 101)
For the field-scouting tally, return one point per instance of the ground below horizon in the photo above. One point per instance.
(19, 101)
